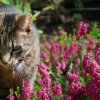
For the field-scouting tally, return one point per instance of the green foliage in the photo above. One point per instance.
(19, 4)
(17, 92)
(53, 6)
(11, 92)
(25, 9)
(77, 16)
(95, 32)
(7, 1)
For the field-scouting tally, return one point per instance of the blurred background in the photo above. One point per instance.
(48, 15)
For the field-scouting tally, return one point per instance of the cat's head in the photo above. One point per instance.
(16, 36)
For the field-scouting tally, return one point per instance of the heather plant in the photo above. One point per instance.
(69, 68)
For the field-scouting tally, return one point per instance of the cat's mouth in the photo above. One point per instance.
(21, 59)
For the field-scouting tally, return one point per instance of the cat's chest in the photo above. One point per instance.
(6, 80)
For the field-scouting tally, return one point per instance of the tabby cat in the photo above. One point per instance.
(19, 49)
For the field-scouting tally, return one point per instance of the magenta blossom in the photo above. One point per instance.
(75, 90)
(45, 78)
(61, 65)
(26, 90)
(77, 63)
(68, 98)
(43, 55)
(73, 47)
(44, 94)
(45, 81)
(56, 48)
(90, 44)
(93, 90)
(91, 66)
(57, 90)
(97, 53)
(82, 29)
(66, 53)
(47, 45)
(72, 77)
(10, 98)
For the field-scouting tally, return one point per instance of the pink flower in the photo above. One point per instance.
(72, 77)
(82, 29)
(77, 63)
(66, 53)
(93, 90)
(44, 94)
(83, 73)
(91, 67)
(12, 98)
(47, 45)
(45, 78)
(61, 65)
(75, 90)
(61, 32)
(68, 98)
(57, 90)
(90, 45)
(56, 48)
(53, 59)
(43, 55)
(73, 47)
(45, 81)
(97, 53)
(42, 68)
(81, 47)
(26, 90)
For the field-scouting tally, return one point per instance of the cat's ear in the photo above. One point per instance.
(24, 22)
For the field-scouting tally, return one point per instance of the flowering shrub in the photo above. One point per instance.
(69, 68)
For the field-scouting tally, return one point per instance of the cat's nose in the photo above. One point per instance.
(6, 59)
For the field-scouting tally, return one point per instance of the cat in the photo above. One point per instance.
(19, 49)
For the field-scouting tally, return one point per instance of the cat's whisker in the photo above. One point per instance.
(24, 73)
(18, 75)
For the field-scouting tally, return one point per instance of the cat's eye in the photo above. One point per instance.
(16, 48)
(16, 51)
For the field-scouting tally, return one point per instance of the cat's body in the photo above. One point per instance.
(19, 49)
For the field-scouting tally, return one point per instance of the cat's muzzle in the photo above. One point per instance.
(15, 65)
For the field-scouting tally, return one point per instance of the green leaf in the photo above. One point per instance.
(11, 92)
(82, 53)
(77, 16)
(82, 80)
(95, 32)
(6, 1)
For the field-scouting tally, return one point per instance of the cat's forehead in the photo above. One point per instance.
(7, 21)
(6, 15)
